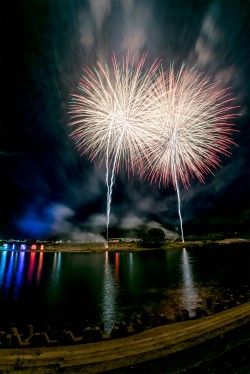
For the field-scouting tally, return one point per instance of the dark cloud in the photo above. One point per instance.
(46, 187)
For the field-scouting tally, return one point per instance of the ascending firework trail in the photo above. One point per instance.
(167, 126)
(176, 181)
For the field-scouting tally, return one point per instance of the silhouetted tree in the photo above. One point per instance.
(153, 237)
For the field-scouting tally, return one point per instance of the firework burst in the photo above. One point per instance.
(113, 112)
(193, 127)
(169, 126)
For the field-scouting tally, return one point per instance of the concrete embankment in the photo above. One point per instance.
(177, 348)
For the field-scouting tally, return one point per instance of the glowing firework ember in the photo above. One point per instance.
(167, 126)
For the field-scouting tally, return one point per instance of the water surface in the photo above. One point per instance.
(110, 286)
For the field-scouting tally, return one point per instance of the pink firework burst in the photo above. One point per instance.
(193, 127)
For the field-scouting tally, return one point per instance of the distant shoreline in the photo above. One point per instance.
(123, 247)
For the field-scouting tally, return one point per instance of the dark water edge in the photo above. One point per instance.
(148, 285)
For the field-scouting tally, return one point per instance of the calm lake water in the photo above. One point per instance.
(110, 286)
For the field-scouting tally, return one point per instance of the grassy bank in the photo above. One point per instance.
(129, 247)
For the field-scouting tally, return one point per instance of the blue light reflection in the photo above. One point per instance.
(9, 271)
(3, 265)
(20, 268)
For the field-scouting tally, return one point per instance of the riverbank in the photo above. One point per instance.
(129, 247)
(124, 246)
(218, 342)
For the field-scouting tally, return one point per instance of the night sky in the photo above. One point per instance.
(47, 189)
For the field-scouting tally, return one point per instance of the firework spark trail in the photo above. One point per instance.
(113, 117)
(111, 183)
(176, 183)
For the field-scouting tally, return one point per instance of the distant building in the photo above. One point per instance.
(115, 240)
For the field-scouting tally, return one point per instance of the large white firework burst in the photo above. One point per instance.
(113, 114)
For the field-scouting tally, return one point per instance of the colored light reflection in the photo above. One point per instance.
(131, 262)
(117, 265)
(9, 271)
(40, 266)
(56, 268)
(20, 268)
(109, 294)
(189, 290)
(31, 266)
(3, 265)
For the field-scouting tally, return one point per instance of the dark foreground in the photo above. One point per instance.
(215, 344)
(227, 353)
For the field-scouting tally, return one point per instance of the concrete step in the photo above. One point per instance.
(149, 344)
